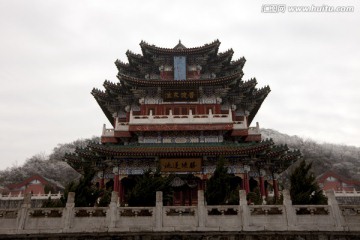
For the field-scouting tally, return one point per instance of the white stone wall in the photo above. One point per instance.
(199, 218)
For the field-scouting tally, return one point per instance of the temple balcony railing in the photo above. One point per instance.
(209, 118)
(337, 193)
(344, 193)
(254, 130)
(190, 119)
(107, 132)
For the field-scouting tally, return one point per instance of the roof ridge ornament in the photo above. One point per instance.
(179, 45)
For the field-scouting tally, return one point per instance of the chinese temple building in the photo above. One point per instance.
(181, 109)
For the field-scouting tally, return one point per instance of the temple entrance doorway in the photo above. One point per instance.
(185, 190)
(253, 184)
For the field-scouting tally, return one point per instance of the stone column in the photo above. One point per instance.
(159, 211)
(201, 209)
(290, 211)
(112, 213)
(261, 181)
(244, 210)
(69, 211)
(101, 181)
(336, 212)
(23, 212)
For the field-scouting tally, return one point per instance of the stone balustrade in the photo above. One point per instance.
(151, 119)
(39, 196)
(199, 218)
(181, 119)
(107, 132)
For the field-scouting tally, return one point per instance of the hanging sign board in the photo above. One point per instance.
(180, 164)
(178, 95)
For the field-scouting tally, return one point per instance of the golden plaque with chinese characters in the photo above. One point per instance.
(180, 164)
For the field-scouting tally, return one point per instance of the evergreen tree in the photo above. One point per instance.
(304, 188)
(255, 197)
(144, 191)
(86, 193)
(220, 188)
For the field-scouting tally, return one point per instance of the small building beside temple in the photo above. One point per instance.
(180, 110)
(35, 184)
(331, 180)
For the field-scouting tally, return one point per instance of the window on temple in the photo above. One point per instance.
(179, 68)
(177, 111)
(184, 111)
(331, 179)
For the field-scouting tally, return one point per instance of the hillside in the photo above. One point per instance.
(51, 166)
(342, 159)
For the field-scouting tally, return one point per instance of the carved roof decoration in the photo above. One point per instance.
(148, 49)
(278, 157)
(138, 82)
(179, 45)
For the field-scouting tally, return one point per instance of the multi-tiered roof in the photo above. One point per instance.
(226, 74)
(145, 80)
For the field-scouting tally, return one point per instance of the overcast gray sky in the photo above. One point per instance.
(52, 53)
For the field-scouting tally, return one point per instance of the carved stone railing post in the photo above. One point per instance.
(201, 209)
(336, 212)
(290, 211)
(159, 211)
(23, 212)
(69, 211)
(112, 213)
(244, 210)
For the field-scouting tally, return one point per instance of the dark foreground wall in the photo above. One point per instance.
(198, 236)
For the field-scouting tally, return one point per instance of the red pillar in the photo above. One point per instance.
(127, 116)
(116, 179)
(116, 182)
(203, 182)
(267, 191)
(276, 188)
(246, 182)
(121, 191)
(262, 183)
(262, 186)
(102, 182)
(200, 185)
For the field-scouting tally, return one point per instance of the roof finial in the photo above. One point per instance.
(179, 45)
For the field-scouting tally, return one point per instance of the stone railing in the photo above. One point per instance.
(151, 119)
(199, 218)
(181, 119)
(344, 193)
(33, 196)
(107, 132)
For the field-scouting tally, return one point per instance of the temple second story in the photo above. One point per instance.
(197, 91)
